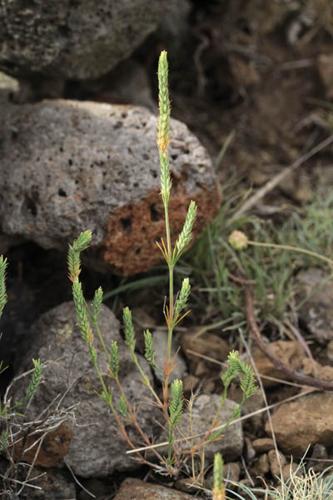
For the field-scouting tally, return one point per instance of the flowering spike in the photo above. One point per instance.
(149, 348)
(114, 359)
(183, 297)
(129, 329)
(218, 489)
(185, 236)
(164, 103)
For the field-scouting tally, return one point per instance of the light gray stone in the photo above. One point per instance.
(208, 412)
(70, 166)
(161, 348)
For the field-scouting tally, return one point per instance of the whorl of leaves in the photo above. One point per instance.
(81, 311)
(176, 402)
(238, 368)
(129, 329)
(97, 304)
(185, 235)
(74, 251)
(35, 380)
(149, 348)
(122, 406)
(114, 359)
(182, 299)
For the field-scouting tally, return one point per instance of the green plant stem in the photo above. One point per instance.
(170, 443)
(171, 311)
(171, 280)
(134, 419)
(113, 409)
(292, 249)
(145, 379)
(100, 338)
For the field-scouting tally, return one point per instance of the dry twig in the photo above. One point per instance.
(324, 385)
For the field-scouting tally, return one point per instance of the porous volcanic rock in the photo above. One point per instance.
(69, 166)
(304, 422)
(207, 412)
(77, 39)
(96, 448)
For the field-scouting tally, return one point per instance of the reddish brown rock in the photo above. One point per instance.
(134, 489)
(276, 462)
(50, 453)
(304, 422)
(289, 352)
(261, 445)
(199, 347)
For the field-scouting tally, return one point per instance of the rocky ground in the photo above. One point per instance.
(251, 84)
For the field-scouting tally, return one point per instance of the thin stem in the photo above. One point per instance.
(171, 312)
(170, 443)
(167, 229)
(145, 379)
(134, 419)
(100, 338)
(292, 249)
(171, 280)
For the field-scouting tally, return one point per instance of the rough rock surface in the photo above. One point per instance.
(288, 351)
(54, 446)
(207, 344)
(303, 422)
(6, 242)
(57, 341)
(261, 445)
(135, 489)
(73, 39)
(315, 294)
(69, 166)
(207, 412)
(54, 486)
(161, 349)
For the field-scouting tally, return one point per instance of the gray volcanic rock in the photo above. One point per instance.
(77, 39)
(208, 412)
(96, 448)
(69, 166)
